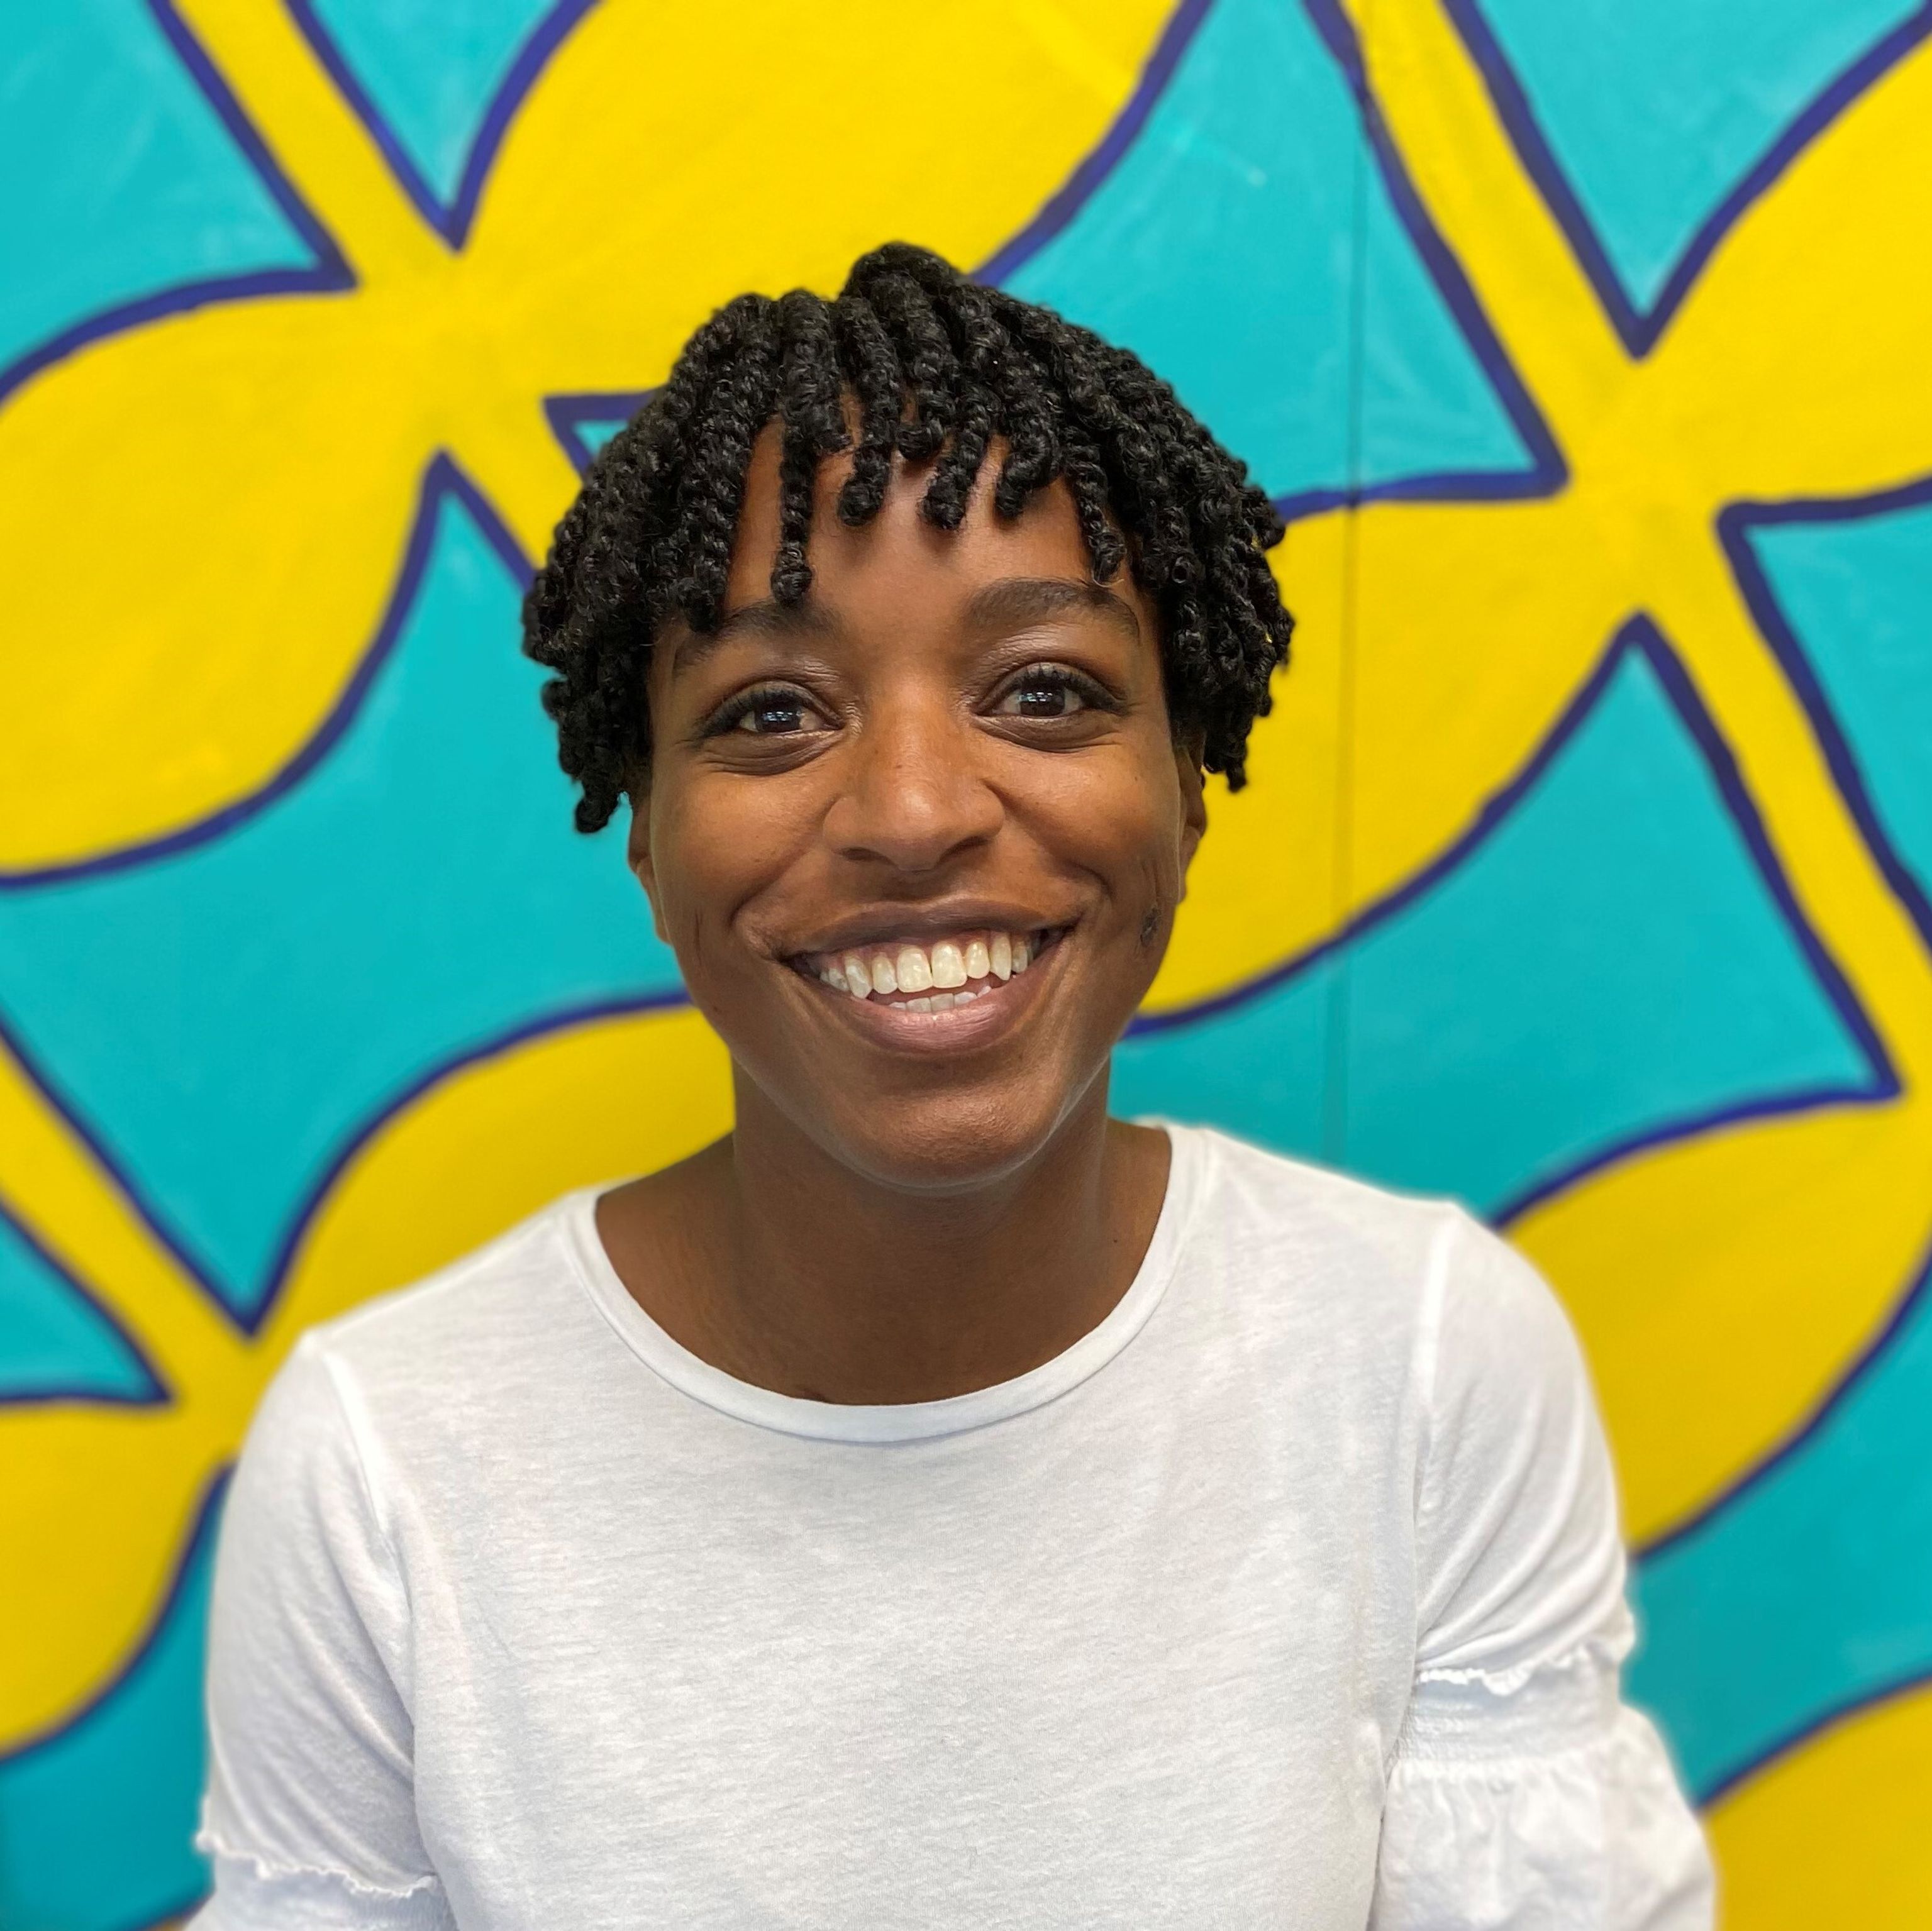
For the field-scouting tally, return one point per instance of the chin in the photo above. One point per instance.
(949, 1142)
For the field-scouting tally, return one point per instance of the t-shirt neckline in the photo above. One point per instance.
(900, 1422)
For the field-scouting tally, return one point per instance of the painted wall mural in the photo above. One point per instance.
(1586, 872)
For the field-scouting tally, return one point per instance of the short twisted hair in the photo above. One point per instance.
(912, 359)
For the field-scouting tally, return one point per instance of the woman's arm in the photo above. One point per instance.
(310, 1811)
(1524, 1793)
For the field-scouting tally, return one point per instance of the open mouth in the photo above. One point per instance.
(930, 975)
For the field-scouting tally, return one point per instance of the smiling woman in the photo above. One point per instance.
(935, 1502)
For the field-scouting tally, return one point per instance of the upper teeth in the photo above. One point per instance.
(876, 971)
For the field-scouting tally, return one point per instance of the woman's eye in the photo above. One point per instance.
(772, 715)
(1042, 698)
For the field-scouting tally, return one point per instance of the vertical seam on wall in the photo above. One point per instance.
(1335, 1083)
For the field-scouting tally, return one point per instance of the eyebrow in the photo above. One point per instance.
(767, 617)
(1014, 602)
(1011, 604)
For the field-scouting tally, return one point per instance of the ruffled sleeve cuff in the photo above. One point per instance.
(1536, 1802)
(251, 1894)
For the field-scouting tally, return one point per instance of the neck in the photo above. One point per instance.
(772, 1260)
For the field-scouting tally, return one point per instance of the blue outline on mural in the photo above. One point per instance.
(198, 1519)
(1067, 200)
(1639, 329)
(543, 1026)
(1809, 1733)
(1736, 523)
(451, 219)
(1547, 472)
(568, 415)
(440, 475)
(131, 1194)
(442, 478)
(1735, 526)
(330, 275)
(1641, 634)
(39, 1396)
(1793, 1444)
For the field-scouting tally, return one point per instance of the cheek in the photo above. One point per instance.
(1121, 822)
(699, 862)
(719, 845)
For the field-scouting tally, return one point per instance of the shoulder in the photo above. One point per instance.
(1418, 1276)
(1290, 1222)
(1382, 1304)
(518, 1298)
(428, 1376)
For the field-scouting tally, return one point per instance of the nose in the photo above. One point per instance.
(915, 796)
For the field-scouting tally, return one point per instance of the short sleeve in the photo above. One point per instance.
(309, 1814)
(1524, 1793)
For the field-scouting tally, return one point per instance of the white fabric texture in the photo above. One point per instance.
(1290, 1596)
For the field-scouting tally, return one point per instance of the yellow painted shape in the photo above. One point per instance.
(1263, 882)
(1467, 658)
(1442, 707)
(1835, 1834)
(607, 233)
(1837, 884)
(94, 1512)
(1723, 1285)
(1798, 363)
(99, 1498)
(498, 1140)
(200, 521)
(317, 141)
(200, 525)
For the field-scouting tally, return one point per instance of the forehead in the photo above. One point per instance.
(899, 557)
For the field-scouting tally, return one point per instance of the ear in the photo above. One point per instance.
(638, 852)
(1188, 750)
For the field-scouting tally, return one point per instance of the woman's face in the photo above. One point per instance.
(918, 841)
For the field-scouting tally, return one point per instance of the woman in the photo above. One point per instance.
(937, 1503)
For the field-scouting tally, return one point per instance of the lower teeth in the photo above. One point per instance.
(940, 1002)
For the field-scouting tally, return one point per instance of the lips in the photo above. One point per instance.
(937, 1018)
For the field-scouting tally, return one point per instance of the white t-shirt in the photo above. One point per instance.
(1290, 1596)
